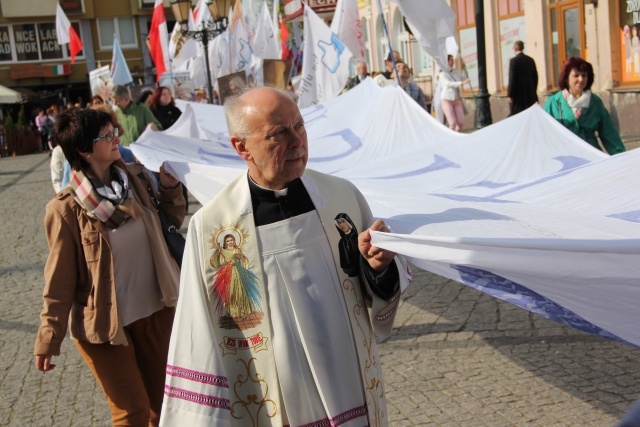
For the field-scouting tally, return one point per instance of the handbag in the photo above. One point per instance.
(172, 236)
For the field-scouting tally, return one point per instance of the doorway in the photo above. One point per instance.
(567, 33)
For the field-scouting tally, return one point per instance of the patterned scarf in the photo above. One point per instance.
(101, 201)
(577, 104)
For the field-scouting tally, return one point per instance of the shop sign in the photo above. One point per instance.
(630, 40)
(5, 44)
(29, 71)
(26, 42)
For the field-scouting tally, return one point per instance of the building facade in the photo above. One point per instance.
(605, 33)
(32, 62)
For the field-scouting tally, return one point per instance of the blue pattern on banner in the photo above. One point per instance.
(487, 184)
(439, 163)
(523, 297)
(631, 216)
(347, 136)
(465, 198)
(571, 162)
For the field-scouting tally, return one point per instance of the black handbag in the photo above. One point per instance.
(171, 234)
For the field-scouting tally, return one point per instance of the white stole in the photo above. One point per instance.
(218, 374)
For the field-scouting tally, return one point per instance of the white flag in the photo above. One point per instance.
(431, 22)
(182, 48)
(240, 46)
(346, 25)
(325, 67)
(265, 45)
(201, 14)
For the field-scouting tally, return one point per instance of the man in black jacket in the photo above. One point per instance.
(523, 80)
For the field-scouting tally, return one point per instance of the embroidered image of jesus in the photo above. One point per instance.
(235, 289)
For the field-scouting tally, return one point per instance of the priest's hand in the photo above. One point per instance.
(378, 259)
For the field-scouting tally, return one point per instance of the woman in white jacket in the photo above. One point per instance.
(451, 82)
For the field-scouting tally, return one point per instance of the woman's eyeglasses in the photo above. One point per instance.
(109, 136)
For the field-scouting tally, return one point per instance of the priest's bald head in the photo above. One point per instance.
(267, 131)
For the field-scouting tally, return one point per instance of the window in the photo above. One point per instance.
(124, 28)
(628, 42)
(567, 32)
(30, 42)
(512, 28)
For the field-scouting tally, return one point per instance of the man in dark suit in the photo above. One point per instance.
(523, 80)
(361, 68)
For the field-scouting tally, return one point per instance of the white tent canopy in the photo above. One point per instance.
(522, 210)
(9, 96)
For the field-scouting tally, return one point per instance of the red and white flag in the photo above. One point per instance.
(159, 40)
(66, 34)
(346, 25)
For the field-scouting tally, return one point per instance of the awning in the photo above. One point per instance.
(9, 96)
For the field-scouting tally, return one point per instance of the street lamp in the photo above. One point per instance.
(483, 107)
(181, 10)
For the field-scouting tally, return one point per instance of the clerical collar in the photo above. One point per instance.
(264, 191)
(271, 206)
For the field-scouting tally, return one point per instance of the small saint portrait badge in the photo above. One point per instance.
(348, 245)
(236, 289)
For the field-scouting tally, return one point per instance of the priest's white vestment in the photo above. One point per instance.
(223, 367)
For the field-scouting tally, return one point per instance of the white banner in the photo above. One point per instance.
(522, 210)
(325, 66)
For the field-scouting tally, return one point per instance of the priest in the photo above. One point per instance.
(273, 327)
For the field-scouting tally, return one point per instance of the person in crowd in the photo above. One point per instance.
(44, 125)
(57, 166)
(362, 73)
(70, 105)
(119, 312)
(265, 250)
(388, 63)
(216, 97)
(523, 80)
(96, 100)
(201, 96)
(145, 98)
(164, 107)
(133, 117)
(581, 111)
(412, 89)
(450, 82)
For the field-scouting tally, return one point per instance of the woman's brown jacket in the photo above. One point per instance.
(79, 275)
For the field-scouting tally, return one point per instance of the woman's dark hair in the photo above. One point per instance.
(75, 131)
(97, 98)
(449, 57)
(577, 64)
(155, 98)
(143, 97)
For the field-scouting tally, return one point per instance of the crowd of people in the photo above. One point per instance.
(173, 343)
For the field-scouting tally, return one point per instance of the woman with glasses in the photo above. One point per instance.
(109, 276)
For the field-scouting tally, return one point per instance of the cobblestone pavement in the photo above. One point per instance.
(457, 358)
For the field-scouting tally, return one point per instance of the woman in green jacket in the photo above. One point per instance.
(579, 110)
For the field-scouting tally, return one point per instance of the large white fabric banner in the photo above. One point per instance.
(522, 210)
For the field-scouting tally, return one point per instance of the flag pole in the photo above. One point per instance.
(386, 32)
